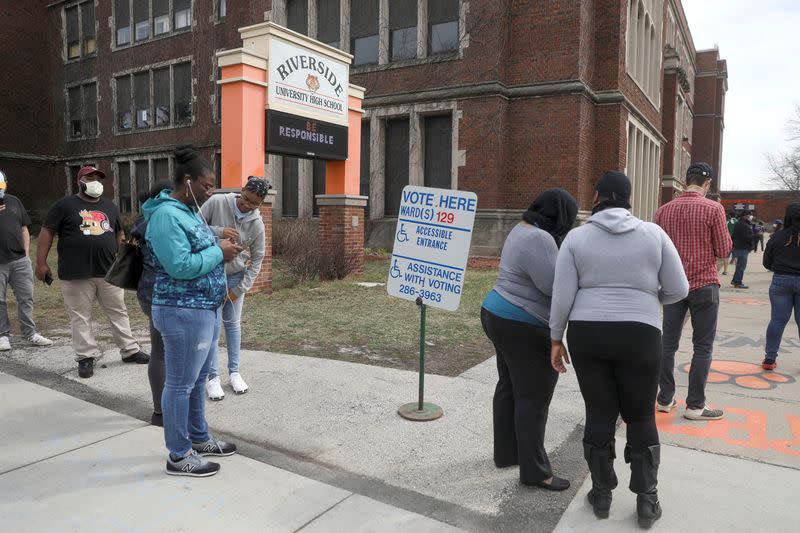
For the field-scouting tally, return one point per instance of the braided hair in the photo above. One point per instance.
(189, 162)
(257, 185)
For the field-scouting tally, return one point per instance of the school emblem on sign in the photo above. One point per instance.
(312, 82)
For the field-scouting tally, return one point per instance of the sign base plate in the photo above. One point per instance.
(410, 411)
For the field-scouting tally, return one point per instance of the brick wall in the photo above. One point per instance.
(337, 232)
(772, 203)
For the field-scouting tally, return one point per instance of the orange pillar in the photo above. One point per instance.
(341, 208)
(244, 99)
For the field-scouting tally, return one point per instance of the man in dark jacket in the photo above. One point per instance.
(742, 244)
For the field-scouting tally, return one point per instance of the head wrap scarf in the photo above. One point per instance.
(554, 211)
(257, 185)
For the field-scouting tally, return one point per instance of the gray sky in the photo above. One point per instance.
(761, 42)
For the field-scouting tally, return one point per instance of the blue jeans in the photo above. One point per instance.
(232, 322)
(784, 295)
(741, 264)
(189, 337)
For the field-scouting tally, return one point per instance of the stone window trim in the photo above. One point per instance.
(643, 167)
(64, 49)
(416, 113)
(153, 38)
(215, 17)
(67, 119)
(278, 15)
(643, 42)
(150, 68)
(131, 160)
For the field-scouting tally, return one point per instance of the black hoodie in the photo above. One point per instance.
(782, 254)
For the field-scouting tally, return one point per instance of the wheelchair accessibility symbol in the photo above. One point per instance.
(395, 271)
(402, 236)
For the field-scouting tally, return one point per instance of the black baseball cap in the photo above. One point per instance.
(615, 185)
(700, 169)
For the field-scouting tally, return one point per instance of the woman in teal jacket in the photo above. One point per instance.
(188, 292)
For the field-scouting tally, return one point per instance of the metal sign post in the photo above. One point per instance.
(429, 259)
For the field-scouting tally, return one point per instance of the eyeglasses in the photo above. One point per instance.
(249, 203)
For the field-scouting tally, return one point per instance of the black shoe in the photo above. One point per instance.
(648, 510)
(192, 465)
(644, 479)
(557, 484)
(86, 367)
(157, 419)
(739, 286)
(138, 357)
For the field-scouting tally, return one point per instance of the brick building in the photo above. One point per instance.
(766, 205)
(501, 98)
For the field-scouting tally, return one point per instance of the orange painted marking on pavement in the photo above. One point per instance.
(752, 382)
(778, 378)
(755, 426)
(744, 301)
(784, 446)
(746, 375)
(716, 377)
(735, 367)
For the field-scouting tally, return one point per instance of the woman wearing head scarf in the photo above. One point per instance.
(782, 257)
(515, 317)
(613, 274)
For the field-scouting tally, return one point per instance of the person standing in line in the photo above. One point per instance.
(758, 235)
(782, 257)
(237, 217)
(188, 292)
(722, 262)
(15, 269)
(614, 336)
(89, 233)
(698, 230)
(514, 316)
(732, 219)
(742, 244)
(144, 293)
(777, 225)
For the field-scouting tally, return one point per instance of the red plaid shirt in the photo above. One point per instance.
(699, 230)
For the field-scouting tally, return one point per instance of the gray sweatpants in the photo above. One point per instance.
(19, 275)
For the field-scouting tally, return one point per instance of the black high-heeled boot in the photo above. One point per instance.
(644, 479)
(604, 479)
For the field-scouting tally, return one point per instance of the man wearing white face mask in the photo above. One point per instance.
(89, 232)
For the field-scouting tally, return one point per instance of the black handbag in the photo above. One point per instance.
(126, 271)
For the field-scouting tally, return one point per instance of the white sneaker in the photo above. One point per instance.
(4, 344)
(38, 340)
(214, 389)
(666, 408)
(238, 384)
(706, 413)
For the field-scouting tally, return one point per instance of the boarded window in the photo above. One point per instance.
(438, 152)
(142, 177)
(403, 29)
(141, 19)
(442, 26)
(222, 10)
(297, 16)
(160, 170)
(160, 17)
(182, 78)
(364, 31)
(75, 112)
(396, 164)
(328, 22)
(90, 109)
(183, 13)
(87, 24)
(141, 98)
(218, 171)
(124, 174)
(218, 109)
(319, 182)
(73, 33)
(73, 178)
(122, 16)
(161, 96)
(289, 186)
(365, 154)
(124, 115)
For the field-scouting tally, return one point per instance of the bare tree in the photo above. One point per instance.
(784, 165)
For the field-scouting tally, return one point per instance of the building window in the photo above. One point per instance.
(318, 184)
(643, 51)
(79, 30)
(222, 9)
(140, 20)
(328, 22)
(171, 102)
(160, 170)
(364, 31)
(442, 26)
(72, 173)
(142, 169)
(218, 97)
(643, 169)
(124, 178)
(297, 16)
(135, 178)
(403, 29)
(396, 170)
(438, 151)
(290, 186)
(82, 108)
(365, 155)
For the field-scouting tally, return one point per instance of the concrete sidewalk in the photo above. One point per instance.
(67, 465)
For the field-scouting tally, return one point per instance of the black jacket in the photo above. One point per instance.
(742, 235)
(782, 256)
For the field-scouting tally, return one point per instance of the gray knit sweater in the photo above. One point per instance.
(615, 268)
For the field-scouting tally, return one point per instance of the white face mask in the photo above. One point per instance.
(93, 188)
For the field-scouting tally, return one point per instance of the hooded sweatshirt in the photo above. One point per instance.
(221, 212)
(188, 262)
(615, 268)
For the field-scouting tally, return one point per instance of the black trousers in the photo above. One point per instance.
(522, 396)
(617, 365)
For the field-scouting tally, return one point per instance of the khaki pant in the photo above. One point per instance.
(79, 297)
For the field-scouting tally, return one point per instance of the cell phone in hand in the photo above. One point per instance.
(48, 278)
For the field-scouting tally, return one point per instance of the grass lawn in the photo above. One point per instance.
(338, 320)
